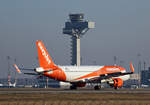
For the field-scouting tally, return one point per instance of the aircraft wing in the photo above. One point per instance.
(111, 75)
(108, 76)
(31, 73)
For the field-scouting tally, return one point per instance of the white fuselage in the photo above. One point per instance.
(74, 72)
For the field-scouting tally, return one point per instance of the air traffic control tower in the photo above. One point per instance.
(76, 27)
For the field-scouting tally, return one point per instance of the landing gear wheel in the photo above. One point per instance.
(96, 87)
(73, 88)
(116, 88)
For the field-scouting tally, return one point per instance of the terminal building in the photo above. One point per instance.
(133, 81)
(45, 82)
(145, 77)
(38, 82)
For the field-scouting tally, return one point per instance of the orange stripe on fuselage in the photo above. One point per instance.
(102, 71)
(56, 74)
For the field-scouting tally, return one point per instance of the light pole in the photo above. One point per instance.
(139, 70)
(8, 58)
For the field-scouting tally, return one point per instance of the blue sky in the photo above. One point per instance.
(122, 30)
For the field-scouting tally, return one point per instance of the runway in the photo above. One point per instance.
(36, 96)
(80, 91)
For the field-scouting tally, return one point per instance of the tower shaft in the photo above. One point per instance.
(75, 54)
(78, 52)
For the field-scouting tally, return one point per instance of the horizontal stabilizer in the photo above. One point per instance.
(31, 73)
(16, 67)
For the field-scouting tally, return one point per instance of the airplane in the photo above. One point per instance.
(78, 76)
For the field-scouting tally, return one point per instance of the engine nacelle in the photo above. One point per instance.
(39, 70)
(65, 85)
(117, 82)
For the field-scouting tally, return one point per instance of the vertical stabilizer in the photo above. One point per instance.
(45, 60)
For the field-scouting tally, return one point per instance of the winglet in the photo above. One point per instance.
(18, 70)
(131, 66)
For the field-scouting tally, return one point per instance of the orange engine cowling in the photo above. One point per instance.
(118, 82)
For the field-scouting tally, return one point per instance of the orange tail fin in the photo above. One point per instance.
(45, 60)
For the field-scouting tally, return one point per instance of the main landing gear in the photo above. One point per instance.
(116, 88)
(97, 87)
(73, 87)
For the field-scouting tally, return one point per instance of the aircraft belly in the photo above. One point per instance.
(74, 75)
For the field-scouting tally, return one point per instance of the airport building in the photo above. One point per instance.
(145, 77)
(76, 27)
(45, 82)
(133, 81)
(39, 82)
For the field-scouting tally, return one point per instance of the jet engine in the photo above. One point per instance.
(116, 83)
(64, 85)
